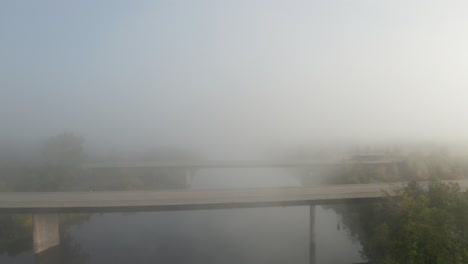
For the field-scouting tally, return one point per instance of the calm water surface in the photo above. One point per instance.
(254, 235)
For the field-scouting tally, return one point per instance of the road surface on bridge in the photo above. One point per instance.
(235, 164)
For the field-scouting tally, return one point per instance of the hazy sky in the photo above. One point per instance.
(233, 74)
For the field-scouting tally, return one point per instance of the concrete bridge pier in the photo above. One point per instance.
(312, 256)
(188, 177)
(45, 232)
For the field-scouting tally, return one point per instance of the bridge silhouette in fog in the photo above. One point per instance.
(242, 163)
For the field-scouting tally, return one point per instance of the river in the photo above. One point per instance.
(253, 235)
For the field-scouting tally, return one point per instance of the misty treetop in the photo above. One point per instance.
(58, 165)
(64, 150)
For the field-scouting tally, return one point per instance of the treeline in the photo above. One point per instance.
(417, 225)
(58, 165)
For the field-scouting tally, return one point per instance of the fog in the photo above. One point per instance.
(229, 79)
(224, 80)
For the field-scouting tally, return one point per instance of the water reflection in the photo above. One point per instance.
(15, 234)
(16, 241)
(69, 252)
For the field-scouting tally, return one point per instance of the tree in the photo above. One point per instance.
(64, 151)
(416, 226)
(15, 234)
(62, 159)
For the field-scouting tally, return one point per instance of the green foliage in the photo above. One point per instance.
(15, 234)
(57, 169)
(417, 226)
(408, 228)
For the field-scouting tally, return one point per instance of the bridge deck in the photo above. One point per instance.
(189, 199)
(234, 164)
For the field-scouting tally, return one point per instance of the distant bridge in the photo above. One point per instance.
(237, 164)
(190, 167)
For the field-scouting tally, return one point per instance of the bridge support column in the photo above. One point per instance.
(188, 177)
(45, 231)
(312, 235)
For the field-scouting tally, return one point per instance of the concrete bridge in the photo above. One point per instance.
(46, 206)
(213, 164)
(190, 167)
